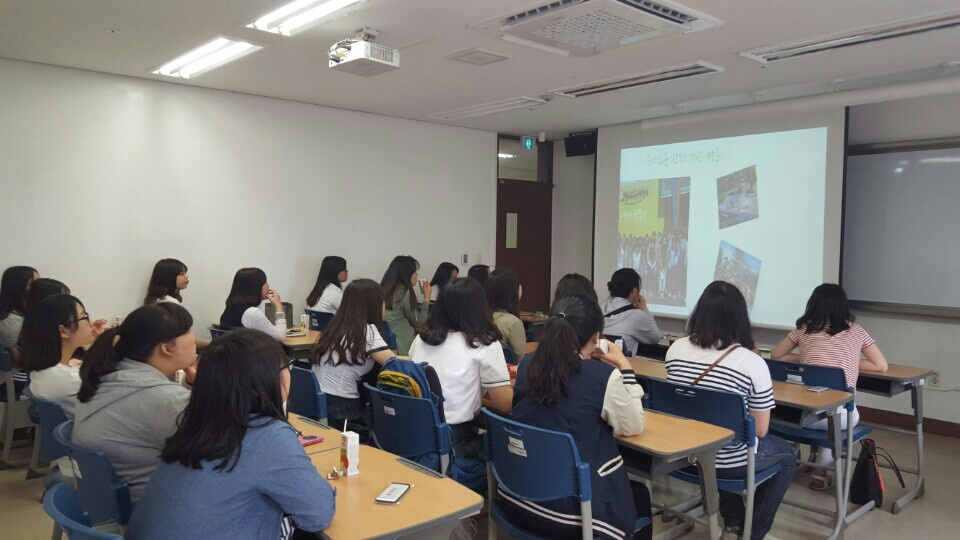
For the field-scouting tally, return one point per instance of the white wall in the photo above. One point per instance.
(103, 175)
(572, 250)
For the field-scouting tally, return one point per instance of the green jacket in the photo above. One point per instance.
(405, 320)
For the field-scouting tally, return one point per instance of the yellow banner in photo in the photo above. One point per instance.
(640, 208)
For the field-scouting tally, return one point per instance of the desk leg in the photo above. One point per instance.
(839, 481)
(916, 396)
(711, 495)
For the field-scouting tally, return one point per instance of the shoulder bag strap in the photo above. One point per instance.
(714, 364)
(620, 310)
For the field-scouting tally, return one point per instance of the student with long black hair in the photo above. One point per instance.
(249, 290)
(462, 344)
(53, 330)
(169, 277)
(348, 349)
(572, 284)
(570, 385)
(14, 286)
(720, 336)
(625, 313)
(128, 405)
(43, 287)
(503, 298)
(445, 273)
(827, 335)
(405, 314)
(234, 467)
(327, 293)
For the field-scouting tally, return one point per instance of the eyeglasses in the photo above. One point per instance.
(85, 317)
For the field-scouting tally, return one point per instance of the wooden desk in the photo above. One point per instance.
(431, 502)
(531, 347)
(299, 343)
(331, 437)
(897, 380)
(672, 443)
(530, 317)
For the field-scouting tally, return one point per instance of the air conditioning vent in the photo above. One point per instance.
(639, 79)
(586, 27)
(490, 108)
(870, 34)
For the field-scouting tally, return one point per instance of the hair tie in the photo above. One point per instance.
(562, 315)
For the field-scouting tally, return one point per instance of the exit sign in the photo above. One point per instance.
(529, 143)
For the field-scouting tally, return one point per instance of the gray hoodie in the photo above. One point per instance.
(634, 325)
(130, 417)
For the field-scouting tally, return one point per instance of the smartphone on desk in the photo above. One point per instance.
(393, 493)
(307, 440)
(817, 389)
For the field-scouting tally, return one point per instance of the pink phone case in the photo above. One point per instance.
(309, 439)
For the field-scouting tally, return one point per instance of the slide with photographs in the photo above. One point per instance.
(690, 213)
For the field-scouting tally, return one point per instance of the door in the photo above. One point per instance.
(524, 223)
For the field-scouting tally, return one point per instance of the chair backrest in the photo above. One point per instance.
(100, 491)
(405, 425)
(534, 464)
(389, 337)
(318, 319)
(509, 356)
(614, 337)
(306, 398)
(271, 312)
(218, 332)
(810, 375)
(6, 361)
(61, 505)
(724, 409)
(6, 375)
(50, 415)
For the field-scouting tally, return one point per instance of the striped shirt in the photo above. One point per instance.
(742, 372)
(842, 350)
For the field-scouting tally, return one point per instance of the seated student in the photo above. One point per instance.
(827, 336)
(571, 284)
(128, 405)
(168, 279)
(14, 286)
(249, 289)
(625, 312)
(571, 386)
(479, 272)
(327, 292)
(404, 314)
(503, 298)
(42, 288)
(462, 344)
(234, 468)
(720, 348)
(445, 273)
(348, 349)
(52, 331)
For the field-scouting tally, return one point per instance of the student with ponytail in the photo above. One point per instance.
(625, 313)
(570, 385)
(128, 405)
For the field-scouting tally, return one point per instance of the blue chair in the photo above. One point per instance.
(100, 491)
(318, 319)
(724, 409)
(49, 415)
(389, 337)
(509, 356)
(409, 427)
(61, 504)
(612, 337)
(536, 465)
(15, 413)
(812, 375)
(306, 398)
(218, 332)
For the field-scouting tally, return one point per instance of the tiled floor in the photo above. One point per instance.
(932, 517)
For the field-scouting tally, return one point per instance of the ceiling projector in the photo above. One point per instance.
(363, 57)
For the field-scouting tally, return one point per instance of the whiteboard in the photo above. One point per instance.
(901, 240)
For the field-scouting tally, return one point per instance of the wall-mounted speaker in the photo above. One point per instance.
(583, 143)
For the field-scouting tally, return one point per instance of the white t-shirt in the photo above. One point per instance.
(329, 301)
(462, 371)
(168, 298)
(742, 372)
(59, 384)
(10, 329)
(341, 380)
(256, 319)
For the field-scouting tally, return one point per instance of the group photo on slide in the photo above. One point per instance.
(653, 225)
(737, 197)
(739, 268)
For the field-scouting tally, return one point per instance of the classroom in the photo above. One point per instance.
(479, 269)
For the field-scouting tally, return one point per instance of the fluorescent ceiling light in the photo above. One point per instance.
(299, 15)
(506, 156)
(490, 108)
(210, 55)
